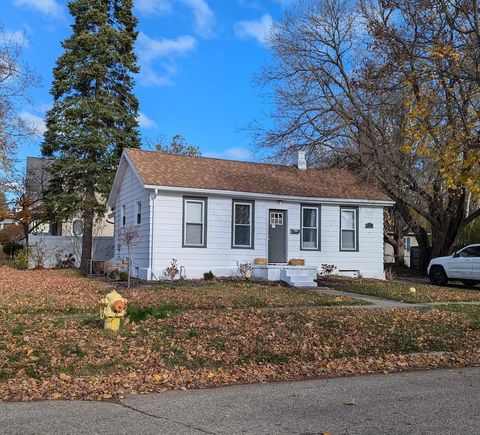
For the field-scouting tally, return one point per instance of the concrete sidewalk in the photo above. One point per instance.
(433, 402)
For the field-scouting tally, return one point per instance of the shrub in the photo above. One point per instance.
(245, 270)
(21, 259)
(173, 270)
(11, 234)
(328, 269)
(69, 262)
(208, 276)
(11, 249)
(123, 275)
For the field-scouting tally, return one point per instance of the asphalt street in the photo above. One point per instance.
(432, 402)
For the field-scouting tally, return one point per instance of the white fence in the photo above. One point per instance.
(51, 250)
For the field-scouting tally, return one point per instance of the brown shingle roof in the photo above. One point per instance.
(172, 170)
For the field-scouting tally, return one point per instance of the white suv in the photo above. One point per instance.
(463, 265)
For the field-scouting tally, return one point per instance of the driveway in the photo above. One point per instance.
(433, 402)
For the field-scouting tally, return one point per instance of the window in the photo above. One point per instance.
(77, 227)
(276, 219)
(195, 225)
(139, 213)
(407, 244)
(348, 229)
(310, 240)
(471, 251)
(243, 224)
(124, 215)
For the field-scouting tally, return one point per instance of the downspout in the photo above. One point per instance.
(153, 196)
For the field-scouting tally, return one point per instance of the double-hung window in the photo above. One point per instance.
(195, 222)
(348, 229)
(139, 213)
(242, 224)
(124, 215)
(310, 240)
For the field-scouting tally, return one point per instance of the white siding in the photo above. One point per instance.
(223, 260)
(131, 191)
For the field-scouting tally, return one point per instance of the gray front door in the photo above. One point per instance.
(277, 236)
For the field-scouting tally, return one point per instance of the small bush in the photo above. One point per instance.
(173, 270)
(21, 259)
(123, 276)
(11, 249)
(208, 276)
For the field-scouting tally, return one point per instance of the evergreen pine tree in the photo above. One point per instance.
(94, 114)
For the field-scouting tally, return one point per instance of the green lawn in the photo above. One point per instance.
(402, 291)
(53, 346)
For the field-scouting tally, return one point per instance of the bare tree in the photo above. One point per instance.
(15, 80)
(128, 237)
(373, 86)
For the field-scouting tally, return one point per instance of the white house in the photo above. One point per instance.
(213, 214)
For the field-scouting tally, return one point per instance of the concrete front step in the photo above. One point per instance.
(299, 277)
(303, 284)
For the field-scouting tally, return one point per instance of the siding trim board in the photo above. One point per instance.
(266, 196)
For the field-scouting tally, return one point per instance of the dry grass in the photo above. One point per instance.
(401, 291)
(52, 344)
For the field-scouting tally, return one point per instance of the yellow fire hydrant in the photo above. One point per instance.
(112, 308)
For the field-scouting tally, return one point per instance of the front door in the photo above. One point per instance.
(277, 236)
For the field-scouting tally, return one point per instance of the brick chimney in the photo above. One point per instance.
(301, 161)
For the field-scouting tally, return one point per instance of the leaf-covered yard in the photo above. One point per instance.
(52, 344)
(400, 291)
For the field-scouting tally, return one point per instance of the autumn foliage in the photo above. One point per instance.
(196, 335)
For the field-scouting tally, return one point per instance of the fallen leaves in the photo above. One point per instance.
(399, 291)
(50, 352)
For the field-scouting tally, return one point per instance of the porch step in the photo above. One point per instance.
(301, 277)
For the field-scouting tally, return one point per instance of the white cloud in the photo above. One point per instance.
(236, 153)
(257, 29)
(150, 50)
(35, 122)
(145, 122)
(204, 16)
(46, 7)
(153, 6)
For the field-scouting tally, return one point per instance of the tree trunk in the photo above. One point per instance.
(425, 251)
(87, 239)
(399, 251)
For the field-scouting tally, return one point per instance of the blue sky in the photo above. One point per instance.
(198, 59)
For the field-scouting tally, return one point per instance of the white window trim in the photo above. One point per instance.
(317, 210)
(203, 202)
(250, 205)
(355, 230)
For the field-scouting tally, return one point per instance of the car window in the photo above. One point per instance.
(472, 251)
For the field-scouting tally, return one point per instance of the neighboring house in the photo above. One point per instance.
(38, 177)
(213, 214)
(409, 242)
(6, 223)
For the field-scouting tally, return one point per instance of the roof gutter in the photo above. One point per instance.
(343, 201)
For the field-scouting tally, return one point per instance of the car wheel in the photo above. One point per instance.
(469, 283)
(438, 276)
